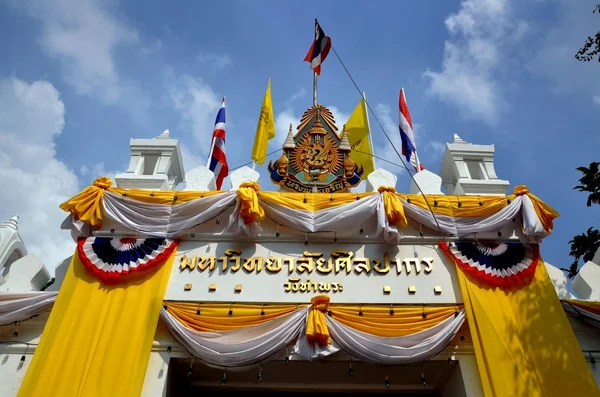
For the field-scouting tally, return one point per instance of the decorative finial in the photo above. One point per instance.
(344, 143)
(458, 139)
(164, 135)
(12, 223)
(289, 141)
(317, 127)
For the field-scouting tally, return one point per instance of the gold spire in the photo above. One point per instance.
(317, 127)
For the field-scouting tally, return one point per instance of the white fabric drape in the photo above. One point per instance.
(408, 349)
(343, 217)
(171, 221)
(466, 226)
(163, 220)
(576, 311)
(20, 306)
(238, 348)
(248, 346)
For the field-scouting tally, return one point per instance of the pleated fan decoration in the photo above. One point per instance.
(505, 265)
(110, 258)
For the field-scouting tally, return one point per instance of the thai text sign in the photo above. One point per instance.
(338, 261)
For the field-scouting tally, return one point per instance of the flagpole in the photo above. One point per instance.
(315, 73)
(371, 135)
(314, 88)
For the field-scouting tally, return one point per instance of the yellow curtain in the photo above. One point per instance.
(393, 207)
(98, 338)
(590, 306)
(523, 342)
(250, 209)
(406, 320)
(311, 201)
(316, 325)
(215, 317)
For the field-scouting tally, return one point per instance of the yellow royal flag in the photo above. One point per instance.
(265, 129)
(357, 129)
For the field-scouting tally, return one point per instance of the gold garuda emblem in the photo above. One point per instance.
(316, 159)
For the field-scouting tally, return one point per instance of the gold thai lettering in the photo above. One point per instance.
(382, 267)
(224, 262)
(340, 261)
(428, 262)
(273, 264)
(362, 265)
(234, 255)
(254, 263)
(184, 263)
(407, 262)
(343, 260)
(294, 284)
(205, 262)
(306, 262)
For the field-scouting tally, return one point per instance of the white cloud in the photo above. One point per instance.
(34, 183)
(83, 35)
(197, 105)
(596, 99)
(214, 61)
(480, 34)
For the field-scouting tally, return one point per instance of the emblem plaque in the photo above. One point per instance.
(316, 159)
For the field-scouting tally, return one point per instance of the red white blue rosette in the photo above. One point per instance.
(112, 258)
(505, 265)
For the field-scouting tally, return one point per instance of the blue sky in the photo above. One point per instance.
(78, 78)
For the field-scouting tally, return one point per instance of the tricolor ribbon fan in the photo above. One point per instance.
(504, 265)
(112, 258)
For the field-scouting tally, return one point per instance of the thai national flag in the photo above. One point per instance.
(318, 50)
(218, 159)
(409, 147)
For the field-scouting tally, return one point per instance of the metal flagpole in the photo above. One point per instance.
(315, 73)
(314, 88)
(370, 136)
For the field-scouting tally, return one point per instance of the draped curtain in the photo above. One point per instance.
(172, 214)
(239, 336)
(98, 337)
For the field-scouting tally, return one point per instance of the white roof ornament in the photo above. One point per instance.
(289, 141)
(344, 144)
(12, 223)
(458, 139)
(200, 179)
(164, 135)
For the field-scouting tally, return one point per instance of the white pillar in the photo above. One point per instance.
(155, 382)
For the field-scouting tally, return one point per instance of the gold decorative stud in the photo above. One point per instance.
(437, 290)
(212, 287)
(238, 288)
(187, 287)
(412, 289)
(387, 289)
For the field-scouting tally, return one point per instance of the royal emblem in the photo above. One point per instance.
(316, 159)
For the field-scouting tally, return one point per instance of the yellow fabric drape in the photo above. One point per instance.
(311, 201)
(406, 320)
(165, 197)
(357, 131)
(250, 210)
(215, 317)
(590, 306)
(523, 342)
(98, 337)
(394, 210)
(316, 326)
(87, 205)
(546, 213)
